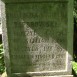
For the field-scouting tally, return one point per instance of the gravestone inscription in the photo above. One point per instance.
(39, 36)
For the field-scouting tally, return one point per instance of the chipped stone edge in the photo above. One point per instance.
(5, 39)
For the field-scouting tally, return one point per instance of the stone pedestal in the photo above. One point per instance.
(56, 76)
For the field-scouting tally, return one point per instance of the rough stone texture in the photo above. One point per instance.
(46, 76)
(17, 1)
(0, 19)
(35, 37)
(39, 40)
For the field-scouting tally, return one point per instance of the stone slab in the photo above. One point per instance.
(38, 38)
(38, 35)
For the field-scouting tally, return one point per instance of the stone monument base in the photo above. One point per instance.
(5, 75)
(56, 76)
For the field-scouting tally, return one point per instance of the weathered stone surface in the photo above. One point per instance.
(17, 1)
(33, 42)
(0, 12)
(55, 76)
(39, 38)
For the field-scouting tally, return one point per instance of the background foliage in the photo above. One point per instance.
(2, 65)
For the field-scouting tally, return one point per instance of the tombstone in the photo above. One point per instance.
(38, 37)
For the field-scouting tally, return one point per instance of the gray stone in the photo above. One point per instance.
(38, 37)
(56, 76)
